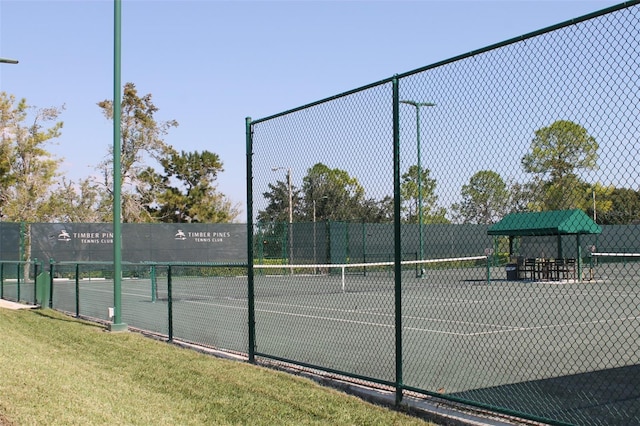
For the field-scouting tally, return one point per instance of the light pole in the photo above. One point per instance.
(290, 211)
(417, 106)
(117, 325)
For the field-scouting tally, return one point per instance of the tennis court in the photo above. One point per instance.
(325, 319)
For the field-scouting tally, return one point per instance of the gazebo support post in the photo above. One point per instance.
(579, 260)
(560, 256)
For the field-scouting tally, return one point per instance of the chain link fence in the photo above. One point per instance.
(376, 208)
(469, 230)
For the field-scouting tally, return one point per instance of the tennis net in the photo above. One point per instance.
(231, 283)
(276, 280)
(613, 266)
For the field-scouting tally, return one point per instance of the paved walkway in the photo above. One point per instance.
(7, 304)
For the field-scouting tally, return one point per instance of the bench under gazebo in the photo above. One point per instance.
(548, 223)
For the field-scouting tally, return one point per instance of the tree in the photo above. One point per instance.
(277, 209)
(80, 202)
(186, 192)
(340, 196)
(142, 138)
(431, 212)
(522, 197)
(273, 221)
(377, 211)
(27, 169)
(556, 153)
(484, 199)
(623, 206)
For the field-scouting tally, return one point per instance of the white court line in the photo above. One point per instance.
(217, 305)
(448, 321)
(519, 329)
(321, 308)
(291, 314)
(359, 311)
(565, 325)
(499, 329)
(365, 323)
(508, 329)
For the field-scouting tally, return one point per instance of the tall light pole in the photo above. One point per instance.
(417, 106)
(290, 211)
(117, 325)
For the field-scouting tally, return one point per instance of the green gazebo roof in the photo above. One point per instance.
(556, 222)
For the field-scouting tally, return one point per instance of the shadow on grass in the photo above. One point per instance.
(56, 316)
(604, 397)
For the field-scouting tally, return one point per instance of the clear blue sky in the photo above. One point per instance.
(209, 64)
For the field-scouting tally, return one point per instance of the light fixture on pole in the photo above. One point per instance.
(274, 169)
(417, 106)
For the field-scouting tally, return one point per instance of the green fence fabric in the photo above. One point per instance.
(524, 149)
(369, 251)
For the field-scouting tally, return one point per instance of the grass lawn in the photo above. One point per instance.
(56, 370)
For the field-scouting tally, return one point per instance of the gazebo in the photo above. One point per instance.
(548, 223)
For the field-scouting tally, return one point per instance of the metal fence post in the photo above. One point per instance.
(169, 304)
(250, 278)
(154, 283)
(51, 283)
(77, 290)
(397, 239)
(35, 281)
(18, 272)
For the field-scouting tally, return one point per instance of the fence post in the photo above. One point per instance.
(154, 283)
(397, 238)
(77, 290)
(51, 283)
(35, 281)
(488, 269)
(1, 280)
(18, 273)
(250, 278)
(169, 304)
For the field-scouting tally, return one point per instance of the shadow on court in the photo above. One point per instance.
(602, 397)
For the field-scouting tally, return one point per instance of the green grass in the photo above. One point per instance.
(56, 370)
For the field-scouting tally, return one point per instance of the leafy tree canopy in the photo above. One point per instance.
(560, 149)
(484, 199)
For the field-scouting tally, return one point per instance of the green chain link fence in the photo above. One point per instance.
(511, 174)
(468, 230)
